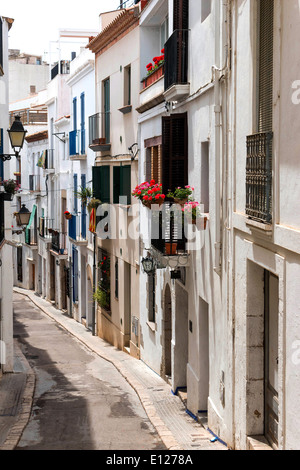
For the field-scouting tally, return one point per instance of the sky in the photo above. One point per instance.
(37, 22)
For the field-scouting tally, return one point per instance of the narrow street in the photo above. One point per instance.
(81, 401)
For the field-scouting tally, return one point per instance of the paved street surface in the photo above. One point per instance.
(89, 394)
(81, 401)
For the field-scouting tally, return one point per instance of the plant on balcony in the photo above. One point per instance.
(155, 70)
(85, 194)
(192, 208)
(68, 215)
(149, 193)
(11, 186)
(158, 61)
(181, 195)
(102, 298)
(93, 203)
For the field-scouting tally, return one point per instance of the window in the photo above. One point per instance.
(82, 123)
(1, 48)
(32, 89)
(104, 279)
(74, 114)
(151, 293)
(106, 109)
(205, 176)
(117, 279)
(174, 151)
(75, 179)
(265, 72)
(122, 184)
(75, 273)
(1, 152)
(101, 183)
(164, 32)
(153, 163)
(127, 85)
(83, 210)
(205, 9)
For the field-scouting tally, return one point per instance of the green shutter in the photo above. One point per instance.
(101, 183)
(117, 186)
(126, 182)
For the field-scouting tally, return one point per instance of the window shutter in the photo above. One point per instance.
(148, 164)
(126, 182)
(83, 209)
(175, 151)
(156, 168)
(1, 44)
(75, 191)
(101, 183)
(117, 187)
(1, 152)
(265, 105)
(181, 14)
(74, 114)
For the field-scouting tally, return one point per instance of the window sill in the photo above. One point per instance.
(126, 109)
(152, 326)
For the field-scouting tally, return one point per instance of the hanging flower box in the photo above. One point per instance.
(149, 193)
(158, 73)
(68, 215)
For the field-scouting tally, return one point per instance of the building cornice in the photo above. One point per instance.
(121, 25)
(81, 72)
(43, 135)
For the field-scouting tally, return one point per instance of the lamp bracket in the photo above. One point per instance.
(5, 157)
(56, 134)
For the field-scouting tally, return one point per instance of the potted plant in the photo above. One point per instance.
(149, 193)
(181, 195)
(11, 186)
(68, 215)
(102, 298)
(94, 203)
(191, 209)
(84, 194)
(171, 248)
(155, 70)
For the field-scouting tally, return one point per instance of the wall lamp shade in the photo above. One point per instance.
(23, 217)
(17, 134)
(148, 265)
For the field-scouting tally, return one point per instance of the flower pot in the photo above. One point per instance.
(149, 204)
(158, 73)
(181, 201)
(68, 216)
(171, 248)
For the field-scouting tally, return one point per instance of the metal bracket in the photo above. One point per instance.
(60, 133)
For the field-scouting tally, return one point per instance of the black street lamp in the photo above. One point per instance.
(23, 217)
(16, 136)
(148, 265)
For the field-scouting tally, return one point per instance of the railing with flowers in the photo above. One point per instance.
(149, 193)
(11, 186)
(155, 70)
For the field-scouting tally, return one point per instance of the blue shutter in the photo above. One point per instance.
(1, 152)
(83, 210)
(82, 123)
(75, 114)
(75, 273)
(75, 191)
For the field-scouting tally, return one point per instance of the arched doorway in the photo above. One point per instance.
(166, 368)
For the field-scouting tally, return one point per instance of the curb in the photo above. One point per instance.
(163, 431)
(16, 431)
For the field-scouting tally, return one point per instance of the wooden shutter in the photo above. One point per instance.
(265, 80)
(116, 183)
(174, 151)
(75, 191)
(156, 164)
(148, 164)
(74, 114)
(1, 151)
(101, 183)
(181, 14)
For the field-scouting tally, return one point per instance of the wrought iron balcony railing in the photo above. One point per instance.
(59, 244)
(259, 177)
(34, 183)
(99, 130)
(167, 230)
(31, 236)
(176, 58)
(62, 67)
(45, 227)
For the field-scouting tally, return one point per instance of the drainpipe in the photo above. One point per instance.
(217, 110)
(94, 287)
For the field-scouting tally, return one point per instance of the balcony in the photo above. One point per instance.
(176, 66)
(46, 228)
(62, 67)
(77, 229)
(153, 89)
(168, 235)
(77, 145)
(31, 237)
(34, 183)
(49, 161)
(259, 177)
(59, 243)
(99, 132)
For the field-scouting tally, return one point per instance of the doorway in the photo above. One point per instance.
(271, 357)
(167, 336)
(52, 278)
(127, 303)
